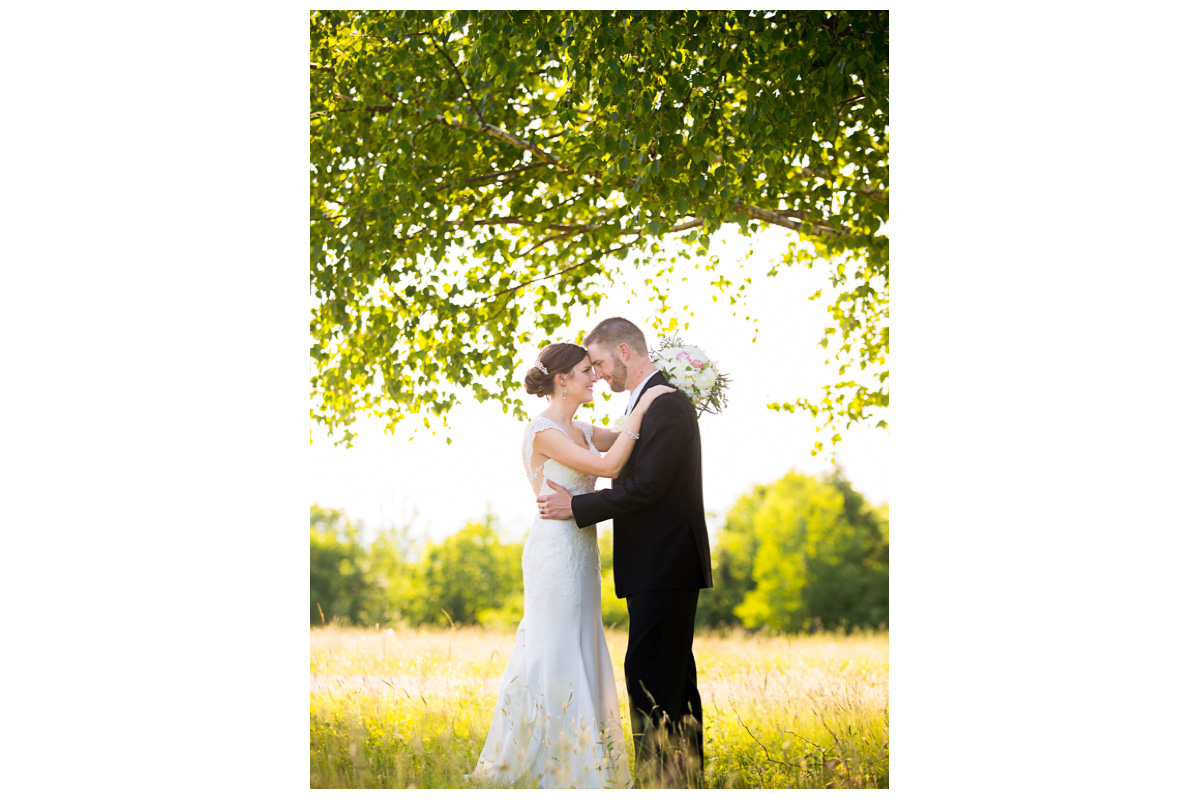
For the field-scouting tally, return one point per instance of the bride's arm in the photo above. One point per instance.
(564, 451)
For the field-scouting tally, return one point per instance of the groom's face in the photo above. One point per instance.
(607, 365)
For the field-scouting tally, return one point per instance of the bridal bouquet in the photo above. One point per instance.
(692, 372)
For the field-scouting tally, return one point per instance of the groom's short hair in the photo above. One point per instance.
(615, 331)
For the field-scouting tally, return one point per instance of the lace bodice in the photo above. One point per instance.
(574, 481)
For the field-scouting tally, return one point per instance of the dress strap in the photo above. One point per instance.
(535, 426)
(539, 424)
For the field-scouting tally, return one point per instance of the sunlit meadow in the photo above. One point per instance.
(411, 708)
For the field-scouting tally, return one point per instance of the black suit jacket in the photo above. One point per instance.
(660, 539)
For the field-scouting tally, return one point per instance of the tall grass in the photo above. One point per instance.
(411, 708)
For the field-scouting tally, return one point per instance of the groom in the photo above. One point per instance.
(660, 557)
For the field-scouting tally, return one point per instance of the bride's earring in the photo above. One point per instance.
(564, 394)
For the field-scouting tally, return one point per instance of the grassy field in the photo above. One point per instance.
(411, 708)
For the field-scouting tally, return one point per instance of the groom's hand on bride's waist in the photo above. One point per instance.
(556, 504)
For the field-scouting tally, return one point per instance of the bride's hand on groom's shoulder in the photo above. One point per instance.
(652, 394)
(556, 504)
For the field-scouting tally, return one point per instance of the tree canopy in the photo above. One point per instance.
(479, 176)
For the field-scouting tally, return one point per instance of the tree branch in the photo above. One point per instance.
(371, 109)
(389, 41)
(547, 240)
(516, 141)
(472, 223)
(524, 144)
(563, 271)
(868, 191)
(526, 223)
(452, 123)
(490, 175)
(779, 218)
(685, 225)
(466, 88)
(571, 199)
(593, 226)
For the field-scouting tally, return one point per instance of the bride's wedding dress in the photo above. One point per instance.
(557, 721)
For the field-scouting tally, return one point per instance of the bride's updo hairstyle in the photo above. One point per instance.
(557, 359)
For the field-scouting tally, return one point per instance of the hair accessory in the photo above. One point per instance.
(541, 366)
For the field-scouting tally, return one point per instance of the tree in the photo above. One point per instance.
(339, 586)
(476, 175)
(820, 560)
(357, 582)
(733, 563)
(391, 574)
(466, 576)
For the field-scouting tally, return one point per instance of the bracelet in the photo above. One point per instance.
(622, 429)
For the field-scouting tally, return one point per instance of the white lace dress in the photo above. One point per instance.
(557, 721)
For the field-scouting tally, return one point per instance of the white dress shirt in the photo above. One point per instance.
(633, 396)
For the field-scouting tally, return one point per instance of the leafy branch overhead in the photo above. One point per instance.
(479, 176)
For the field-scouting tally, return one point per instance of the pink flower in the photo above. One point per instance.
(683, 356)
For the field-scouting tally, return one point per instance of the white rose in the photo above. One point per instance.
(706, 380)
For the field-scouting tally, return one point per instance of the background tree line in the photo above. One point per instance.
(800, 554)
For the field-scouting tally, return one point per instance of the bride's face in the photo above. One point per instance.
(579, 382)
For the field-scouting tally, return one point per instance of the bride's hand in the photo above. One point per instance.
(650, 395)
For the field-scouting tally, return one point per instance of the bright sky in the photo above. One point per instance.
(387, 480)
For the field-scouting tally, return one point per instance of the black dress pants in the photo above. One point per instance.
(660, 674)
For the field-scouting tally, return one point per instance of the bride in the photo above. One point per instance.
(557, 721)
